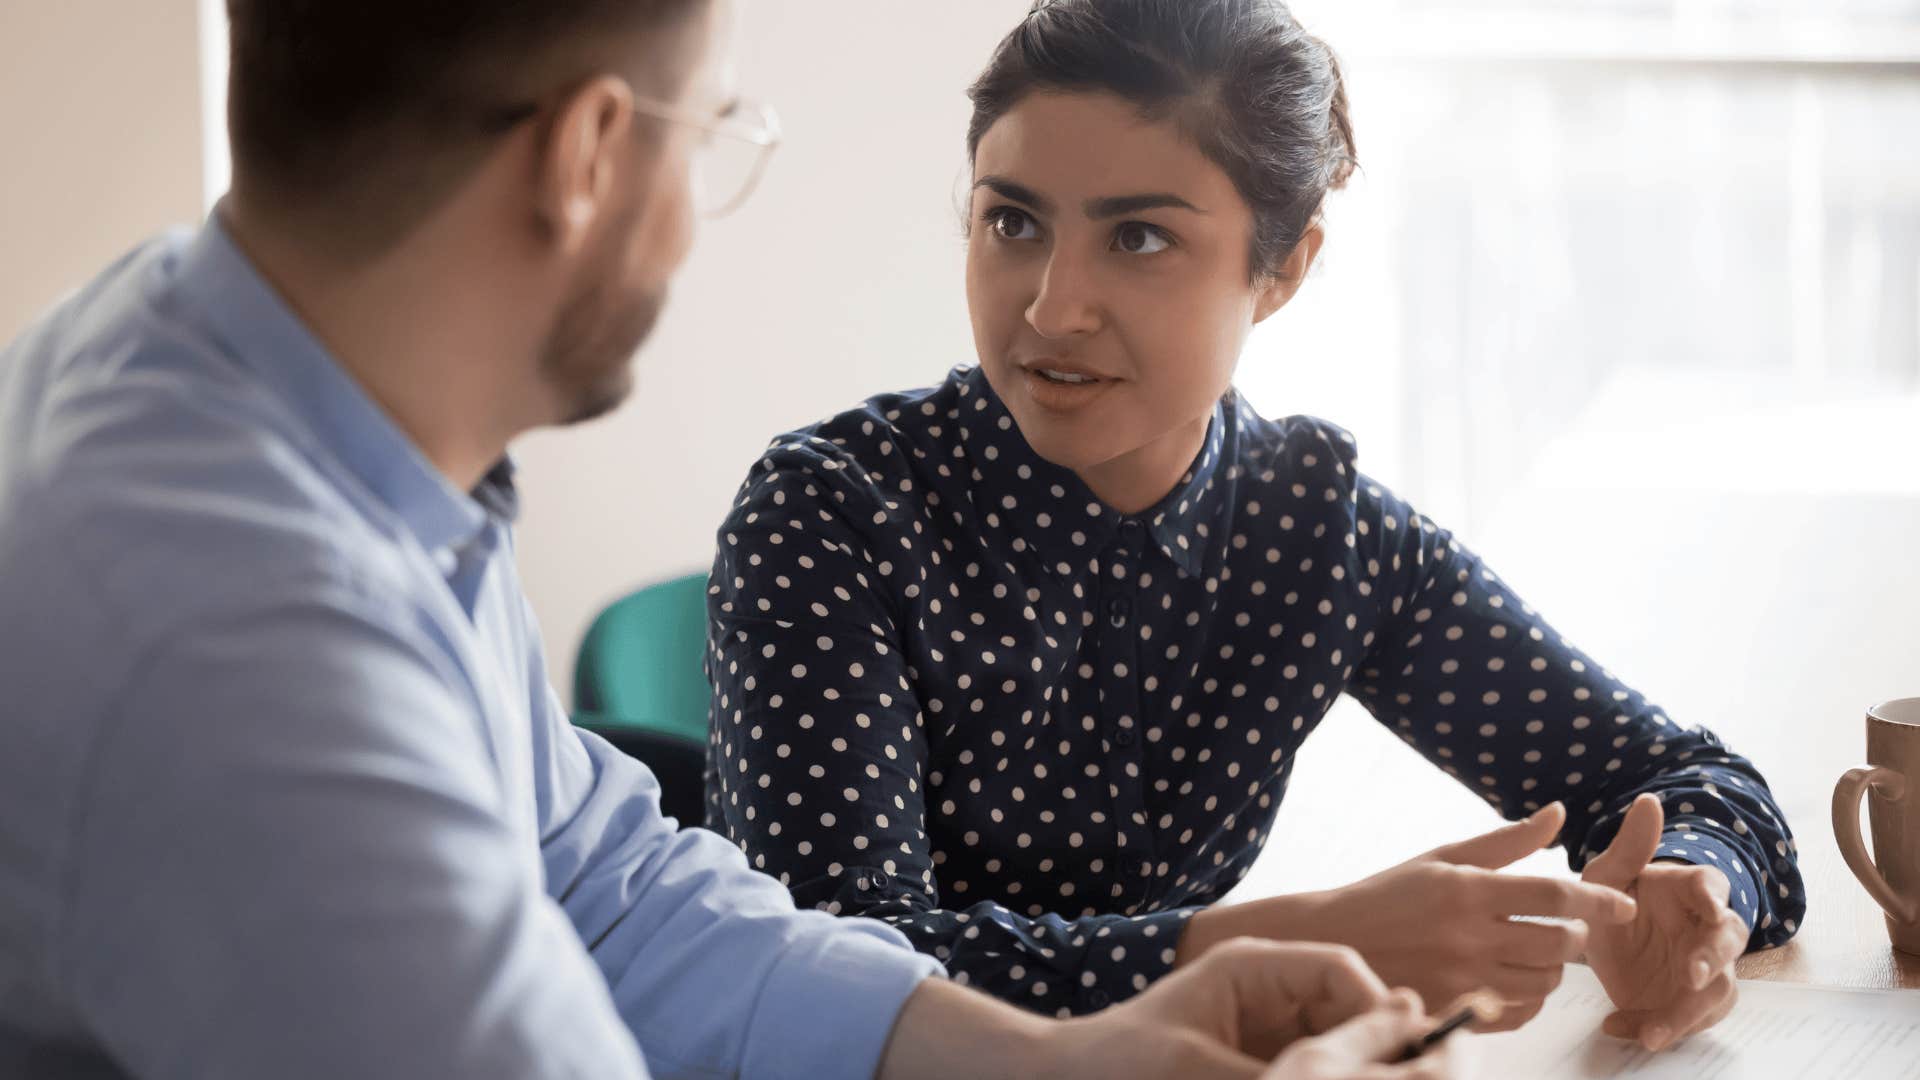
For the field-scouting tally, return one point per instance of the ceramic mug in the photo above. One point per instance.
(1892, 874)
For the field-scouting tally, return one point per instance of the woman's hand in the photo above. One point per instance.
(1368, 1046)
(1442, 924)
(1670, 970)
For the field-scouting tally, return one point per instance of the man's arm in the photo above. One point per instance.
(710, 964)
(295, 860)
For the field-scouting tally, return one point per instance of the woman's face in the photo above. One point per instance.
(1108, 275)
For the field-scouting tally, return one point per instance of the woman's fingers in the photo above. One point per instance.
(1522, 992)
(1633, 846)
(1725, 943)
(1561, 898)
(1507, 844)
(1708, 895)
(1622, 1024)
(1539, 945)
(1524, 984)
(1657, 1029)
(1513, 1017)
(1718, 1012)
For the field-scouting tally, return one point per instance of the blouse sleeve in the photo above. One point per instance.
(819, 756)
(1461, 668)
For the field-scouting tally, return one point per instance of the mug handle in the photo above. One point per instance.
(1891, 786)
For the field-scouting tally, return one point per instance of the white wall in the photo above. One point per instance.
(99, 139)
(840, 279)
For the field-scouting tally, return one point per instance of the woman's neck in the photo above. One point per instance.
(1140, 478)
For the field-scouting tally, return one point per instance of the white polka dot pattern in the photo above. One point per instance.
(955, 692)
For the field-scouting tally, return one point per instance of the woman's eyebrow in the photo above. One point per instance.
(1020, 193)
(1110, 206)
(1121, 205)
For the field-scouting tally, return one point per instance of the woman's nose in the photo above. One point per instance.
(1067, 304)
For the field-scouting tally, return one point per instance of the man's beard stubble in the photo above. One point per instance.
(588, 358)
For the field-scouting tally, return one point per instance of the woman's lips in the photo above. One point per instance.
(1048, 389)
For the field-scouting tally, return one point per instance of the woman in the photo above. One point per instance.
(1020, 663)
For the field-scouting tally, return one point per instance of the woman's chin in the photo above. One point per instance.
(1068, 444)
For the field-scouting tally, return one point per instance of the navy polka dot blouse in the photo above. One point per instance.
(955, 692)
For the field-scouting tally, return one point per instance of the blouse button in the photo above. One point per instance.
(1124, 737)
(1098, 999)
(1117, 611)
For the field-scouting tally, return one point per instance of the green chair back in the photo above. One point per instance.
(642, 665)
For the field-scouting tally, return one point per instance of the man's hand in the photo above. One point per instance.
(1670, 970)
(1223, 1017)
(1442, 924)
(1368, 1046)
(1317, 1006)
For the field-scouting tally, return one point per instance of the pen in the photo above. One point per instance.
(1478, 1007)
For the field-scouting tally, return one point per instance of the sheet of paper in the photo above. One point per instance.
(1777, 1030)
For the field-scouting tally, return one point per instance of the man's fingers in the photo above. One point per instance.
(1534, 944)
(1507, 844)
(1435, 1064)
(1327, 983)
(1193, 1054)
(1560, 898)
(1633, 846)
(1453, 1057)
(1379, 1035)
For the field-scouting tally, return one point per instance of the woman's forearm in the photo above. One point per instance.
(1292, 917)
(947, 1031)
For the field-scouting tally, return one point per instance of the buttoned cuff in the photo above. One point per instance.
(1688, 845)
(1126, 956)
(831, 1002)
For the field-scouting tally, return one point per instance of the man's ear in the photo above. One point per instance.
(578, 166)
(1289, 275)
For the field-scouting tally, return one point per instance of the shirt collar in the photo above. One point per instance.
(1051, 510)
(216, 279)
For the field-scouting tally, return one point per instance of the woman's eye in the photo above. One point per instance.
(1139, 238)
(1011, 224)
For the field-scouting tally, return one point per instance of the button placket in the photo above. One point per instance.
(1119, 680)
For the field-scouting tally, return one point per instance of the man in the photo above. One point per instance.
(283, 789)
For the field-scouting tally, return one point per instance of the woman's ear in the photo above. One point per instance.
(578, 166)
(1289, 275)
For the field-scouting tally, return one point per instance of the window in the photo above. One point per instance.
(1629, 296)
(1582, 203)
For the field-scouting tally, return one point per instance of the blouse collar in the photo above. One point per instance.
(1052, 511)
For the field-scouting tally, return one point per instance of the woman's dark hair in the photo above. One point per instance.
(1258, 95)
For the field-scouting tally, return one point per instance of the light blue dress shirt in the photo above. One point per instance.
(283, 789)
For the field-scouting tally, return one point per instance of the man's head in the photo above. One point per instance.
(525, 129)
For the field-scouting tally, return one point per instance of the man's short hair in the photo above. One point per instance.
(383, 104)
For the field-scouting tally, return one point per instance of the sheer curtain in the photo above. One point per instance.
(1563, 195)
(1628, 295)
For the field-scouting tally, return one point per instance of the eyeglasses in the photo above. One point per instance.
(729, 160)
(733, 153)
